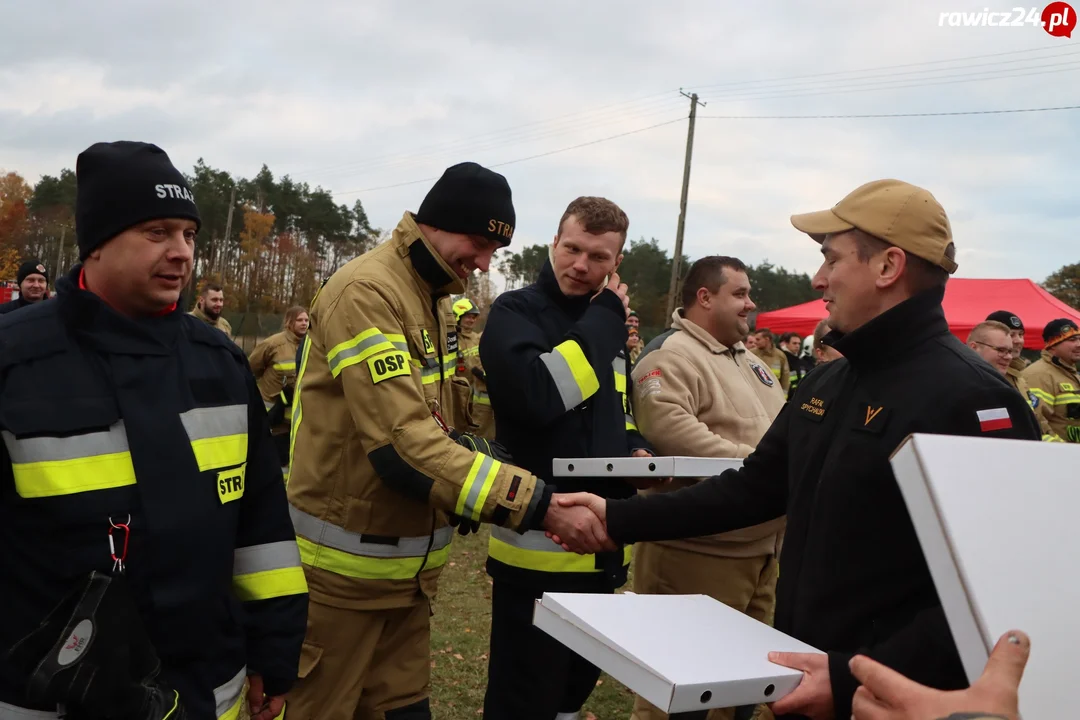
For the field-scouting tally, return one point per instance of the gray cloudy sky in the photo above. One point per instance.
(354, 95)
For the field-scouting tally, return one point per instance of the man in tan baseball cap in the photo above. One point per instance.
(884, 242)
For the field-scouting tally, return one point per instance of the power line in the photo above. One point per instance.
(880, 67)
(887, 115)
(521, 159)
(904, 83)
(621, 107)
(497, 143)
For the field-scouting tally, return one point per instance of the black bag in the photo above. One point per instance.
(92, 657)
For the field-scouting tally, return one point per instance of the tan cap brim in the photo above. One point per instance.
(819, 224)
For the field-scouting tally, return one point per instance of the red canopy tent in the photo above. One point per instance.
(967, 303)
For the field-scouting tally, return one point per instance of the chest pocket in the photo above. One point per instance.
(218, 436)
(81, 448)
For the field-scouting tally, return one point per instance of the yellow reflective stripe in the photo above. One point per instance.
(1042, 395)
(776, 372)
(233, 712)
(543, 560)
(571, 372)
(218, 435)
(270, 584)
(620, 383)
(285, 366)
(1067, 399)
(480, 397)
(477, 486)
(218, 452)
(298, 409)
(67, 477)
(368, 568)
(269, 570)
(630, 424)
(51, 466)
(470, 351)
(361, 347)
(1051, 438)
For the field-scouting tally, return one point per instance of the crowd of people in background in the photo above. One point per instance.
(331, 466)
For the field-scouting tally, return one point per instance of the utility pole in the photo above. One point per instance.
(676, 261)
(228, 231)
(60, 253)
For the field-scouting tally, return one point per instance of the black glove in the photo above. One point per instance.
(489, 448)
(483, 445)
(276, 415)
(92, 655)
(479, 374)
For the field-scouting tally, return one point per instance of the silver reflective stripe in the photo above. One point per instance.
(568, 716)
(226, 695)
(361, 346)
(563, 378)
(619, 364)
(332, 536)
(534, 540)
(478, 484)
(269, 405)
(212, 422)
(268, 556)
(43, 449)
(11, 712)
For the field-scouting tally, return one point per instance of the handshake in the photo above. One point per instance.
(578, 522)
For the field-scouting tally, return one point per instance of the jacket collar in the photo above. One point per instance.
(88, 316)
(1055, 360)
(894, 331)
(573, 306)
(679, 322)
(427, 266)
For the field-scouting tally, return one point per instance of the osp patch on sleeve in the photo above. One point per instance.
(388, 365)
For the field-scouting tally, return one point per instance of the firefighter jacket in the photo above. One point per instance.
(695, 396)
(470, 367)
(1057, 385)
(556, 370)
(273, 362)
(220, 324)
(374, 474)
(17, 304)
(853, 578)
(157, 424)
(777, 361)
(798, 367)
(1015, 376)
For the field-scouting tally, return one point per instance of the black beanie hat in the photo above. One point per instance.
(471, 200)
(121, 184)
(31, 267)
(1059, 330)
(1007, 318)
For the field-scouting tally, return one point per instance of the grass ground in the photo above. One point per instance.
(459, 642)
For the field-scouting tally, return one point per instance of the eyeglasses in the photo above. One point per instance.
(999, 350)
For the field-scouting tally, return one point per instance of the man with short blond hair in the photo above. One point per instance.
(990, 339)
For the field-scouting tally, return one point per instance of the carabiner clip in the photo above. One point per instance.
(118, 560)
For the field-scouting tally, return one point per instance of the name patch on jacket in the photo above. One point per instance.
(762, 374)
(390, 365)
(451, 342)
(814, 407)
(231, 484)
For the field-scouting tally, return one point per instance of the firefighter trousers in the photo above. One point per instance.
(363, 664)
(531, 675)
(746, 584)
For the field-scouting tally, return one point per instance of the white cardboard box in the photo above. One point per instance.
(662, 467)
(680, 652)
(997, 521)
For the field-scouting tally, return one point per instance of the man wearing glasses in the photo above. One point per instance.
(992, 342)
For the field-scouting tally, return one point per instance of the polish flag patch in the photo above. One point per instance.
(996, 419)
